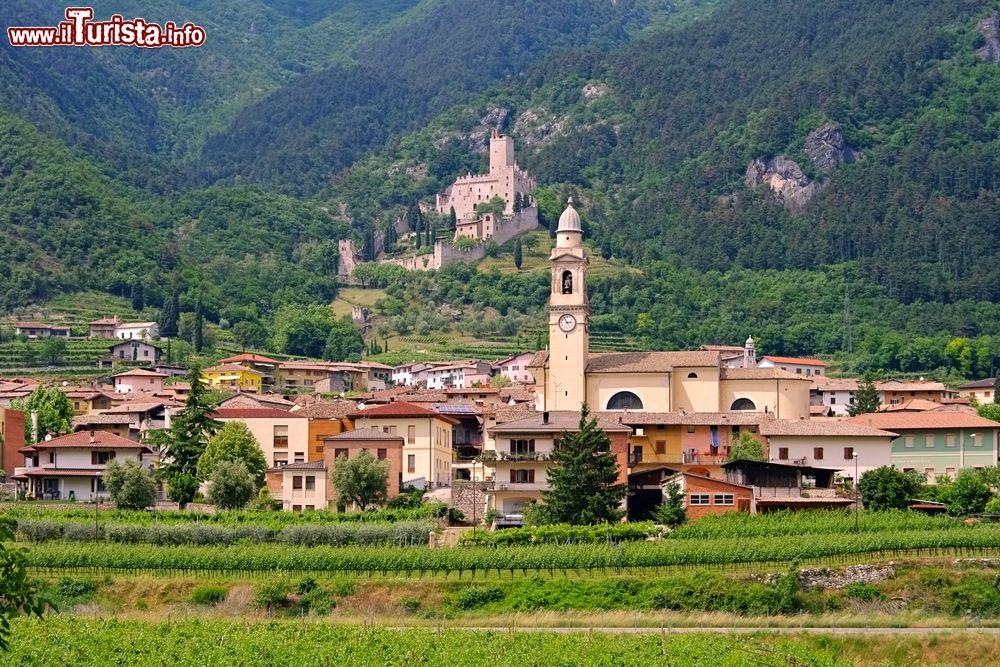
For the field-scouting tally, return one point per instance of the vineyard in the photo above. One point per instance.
(68, 640)
(775, 524)
(500, 561)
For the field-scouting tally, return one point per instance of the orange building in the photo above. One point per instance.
(326, 418)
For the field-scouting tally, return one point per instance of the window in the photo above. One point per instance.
(818, 453)
(383, 454)
(950, 472)
(99, 458)
(798, 371)
(411, 434)
(949, 439)
(908, 440)
(567, 282)
(743, 404)
(300, 457)
(310, 507)
(296, 508)
(723, 499)
(833, 400)
(522, 446)
(280, 460)
(310, 483)
(411, 463)
(929, 473)
(392, 430)
(848, 453)
(624, 400)
(691, 428)
(281, 435)
(297, 482)
(699, 499)
(522, 476)
(782, 453)
(977, 440)
(660, 447)
(340, 451)
(692, 376)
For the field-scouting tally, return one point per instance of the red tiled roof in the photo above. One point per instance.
(254, 413)
(398, 409)
(801, 361)
(32, 325)
(141, 372)
(90, 439)
(892, 421)
(249, 357)
(62, 472)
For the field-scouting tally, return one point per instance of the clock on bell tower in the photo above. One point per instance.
(569, 317)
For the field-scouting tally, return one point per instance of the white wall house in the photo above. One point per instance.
(828, 443)
(515, 368)
(798, 365)
(137, 330)
(71, 466)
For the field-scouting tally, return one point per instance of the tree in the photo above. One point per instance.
(361, 480)
(452, 219)
(303, 330)
(233, 442)
(199, 325)
(671, 511)
(518, 257)
(343, 341)
(583, 482)
(138, 296)
(517, 202)
(745, 447)
(249, 333)
(887, 488)
(968, 494)
(500, 381)
(170, 314)
(53, 350)
(866, 398)
(996, 388)
(18, 592)
(231, 486)
(183, 443)
(989, 411)
(55, 412)
(130, 486)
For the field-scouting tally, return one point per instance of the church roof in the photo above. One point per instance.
(649, 362)
(761, 374)
(555, 421)
(569, 221)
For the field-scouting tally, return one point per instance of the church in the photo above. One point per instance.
(568, 375)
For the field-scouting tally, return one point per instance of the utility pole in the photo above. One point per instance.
(857, 503)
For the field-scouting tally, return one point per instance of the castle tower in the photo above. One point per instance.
(501, 153)
(569, 316)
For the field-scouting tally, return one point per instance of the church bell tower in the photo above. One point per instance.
(569, 317)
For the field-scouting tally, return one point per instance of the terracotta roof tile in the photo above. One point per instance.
(397, 409)
(558, 420)
(821, 427)
(800, 361)
(894, 421)
(255, 413)
(649, 362)
(363, 434)
(90, 439)
(760, 374)
(328, 409)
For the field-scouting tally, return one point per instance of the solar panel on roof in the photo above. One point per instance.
(456, 409)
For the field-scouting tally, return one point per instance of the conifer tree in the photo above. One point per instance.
(199, 325)
(138, 297)
(996, 388)
(517, 202)
(583, 486)
(866, 399)
(518, 256)
(453, 219)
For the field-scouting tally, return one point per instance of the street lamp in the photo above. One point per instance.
(857, 504)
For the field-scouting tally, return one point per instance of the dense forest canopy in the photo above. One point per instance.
(227, 174)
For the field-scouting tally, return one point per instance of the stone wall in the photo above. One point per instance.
(466, 495)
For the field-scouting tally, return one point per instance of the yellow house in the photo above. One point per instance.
(233, 376)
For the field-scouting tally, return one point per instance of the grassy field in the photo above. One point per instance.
(62, 640)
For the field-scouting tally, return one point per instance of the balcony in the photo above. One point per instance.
(705, 459)
(521, 486)
(525, 456)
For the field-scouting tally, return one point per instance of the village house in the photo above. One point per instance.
(381, 445)
(427, 448)
(137, 330)
(244, 400)
(121, 425)
(88, 401)
(139, 379)
(777, 486)
(981, 390)
(797, 365)
(304, 375)
(143, 415)
(134, 351)
(835, 395)
(104, 328)
(822, 443)
(69, 467)
(515, 368)
(937, 442)
(11, 439)
(236, 377)
(706, 495)
(325, 418)
(463, 374)
(283, 436)
(894, 392)
(523, 449)
(267, 367)
(299, 486)
(35, 330)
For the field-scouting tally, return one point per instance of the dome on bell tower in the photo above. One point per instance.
(569, 221)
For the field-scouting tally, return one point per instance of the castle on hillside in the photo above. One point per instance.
(505, 179)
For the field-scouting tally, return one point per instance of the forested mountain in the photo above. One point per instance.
(668, 121)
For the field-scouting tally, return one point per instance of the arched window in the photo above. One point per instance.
(743, 404)
(692, 376)
(567, 282)
(624, 400)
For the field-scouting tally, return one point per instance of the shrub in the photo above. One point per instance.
(208, 595)
(73, 590)
(474, 597)
(81, 532)
(318, 601)
(39, 531)
(272, 595)
(864, 592)
(409, 604)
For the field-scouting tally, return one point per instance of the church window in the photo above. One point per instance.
(743, 404)
(567, 282)
(692, 376)
(625, 400)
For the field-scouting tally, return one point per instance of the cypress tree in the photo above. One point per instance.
(517, 202)
(518, 257)
(138, 298)
(199, 325)
(996, 388)
(453, 219)
(583, 482)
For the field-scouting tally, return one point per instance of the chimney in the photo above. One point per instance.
(545, 417)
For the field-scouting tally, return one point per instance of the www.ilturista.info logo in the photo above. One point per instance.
(79, 29)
